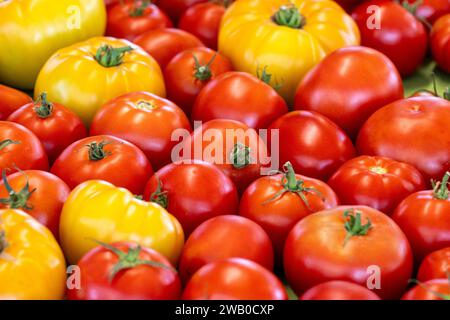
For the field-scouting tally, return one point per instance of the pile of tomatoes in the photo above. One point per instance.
(109, 188)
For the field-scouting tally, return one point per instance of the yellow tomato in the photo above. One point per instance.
(97, 210)
(287, 37)
(86, 75)
(32, 264)
(32, 30)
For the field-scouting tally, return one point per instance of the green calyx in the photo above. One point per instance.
(96, 150)
(240, 156)
(354, 226)
(266, 77)
(160, 196)
(289, 16)
(43, 107)
(139, 8)
(440, 189)
(203, 71)
(109, 57)
(17, 199)
(447, 94)
(7, 142)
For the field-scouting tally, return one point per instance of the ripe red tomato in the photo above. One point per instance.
(431, 10)
(20, 149)
(314, 145)
(363, 81)
(414, 131)
(192, 192)
(105, 158)
(11, 100)
(55, 125)
(189, 71)
(234, 279)
(397, 33)
(225, 237)
(164, 44)
(122, 271)
(436, 289)
(357, 244)
(377, 182)
(145, 120)
(175, 8)
(339, 290)
(436, 265)
(239, 96)
(279, 201)
(440, 42)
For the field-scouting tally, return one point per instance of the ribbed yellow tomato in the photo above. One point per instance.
(32, 265)
(287, 37)
(97, 210)
(86, 75)
(32, 30)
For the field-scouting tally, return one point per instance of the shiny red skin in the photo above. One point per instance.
(339, 290)
(164, 44)
(175, 8)
(401, 36)
(414, 131)
(239, 96)
(377, 182)
(25, 155)
(225, 237)
(181, 84)
(315, 253)
(234, 279)
(11, 100)
(142, 282)
(196, 192)
(124, 164)
(314, 145)
(436, 265)
(440, 42)
(431, 10)
(363, 81)
(420, 293)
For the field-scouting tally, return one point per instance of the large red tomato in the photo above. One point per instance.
(436, 289)
(430, 10)
(363, 80)
(357, 244)
(436, 265)
(175, 8)
(440, 42)
(11, 100)
(339, 290)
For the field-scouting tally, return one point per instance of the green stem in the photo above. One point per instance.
(96, 151)
(203, 72)
(107, 56)
(289, 16)
(240, 156)
(139, 8)
(17, 199)
(160, 196)
(7, 142)
(447, 94)
(440, 189)
(353, 225)
(435, 293)
(43, 107)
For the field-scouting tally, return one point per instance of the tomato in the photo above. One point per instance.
(431, 10)
(361, 245)
(192, 192)
(106, 158)
(145, 120)
(239, 96)
(164, 44)
(377, 182)
(20, 149)
(363, 81)
(234, 279)
(124, 270)
(55, 125)
(175, 8)
(314, 145)
(339, 290)
(440, 42)
(414, 131)
(11, 100)
(97, 210)
(348, 4)
(32, 39)
(394, 31)
(436, 265)
(77, 76)
(436, 289)
(279, 201)
(32, 264)
(188, 73)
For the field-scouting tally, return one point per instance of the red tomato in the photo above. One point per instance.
(414, 131)
(436, 289)
(20, 149)
(363, 81)
(55, 125)
(348, 4)
(192, 192)
(279, 201)
(430, 10)
(377, 182)
(436, 265)
(394, 31)
(239, 96)
(105, 158)
(145, 120)
(357, 244)
(440, 42)
(164, 44)
(123, 271)
(38, 193)
(339, 290)
(225, 237)
(234, 279)
(11, 100)
(175, 8)
(189, 71)
(314, 145)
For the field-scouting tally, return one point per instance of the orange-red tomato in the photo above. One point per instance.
(10, 100)
(175, 8)
(436, 289)
(436, 265)
(339, 290)
(440, 42)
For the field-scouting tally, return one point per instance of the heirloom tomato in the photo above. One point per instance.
(436, 289)
(429, 10)
(175, 8)
(11, 100)
(436, 265)
(440, 42)
(339, 290)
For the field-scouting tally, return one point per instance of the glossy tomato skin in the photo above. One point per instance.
(339, 290)
(121, 163)
(11, 100)
(141, 282)
(182, 83)
(234, 279)
(175, 8)
(377, 182)
(431, 10)
(363, 81)
(194, 192)
(440, 42)
(436, 265)
(426, 291)
(239, 96)
(400, 35)
(145, 120)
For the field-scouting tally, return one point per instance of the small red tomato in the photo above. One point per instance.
(430, 10)
(436, 289)
(234, 279)
(175, 8)
(125, 271)
(11, 100)
(440, 42)
(339, 290)
(436, 265)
